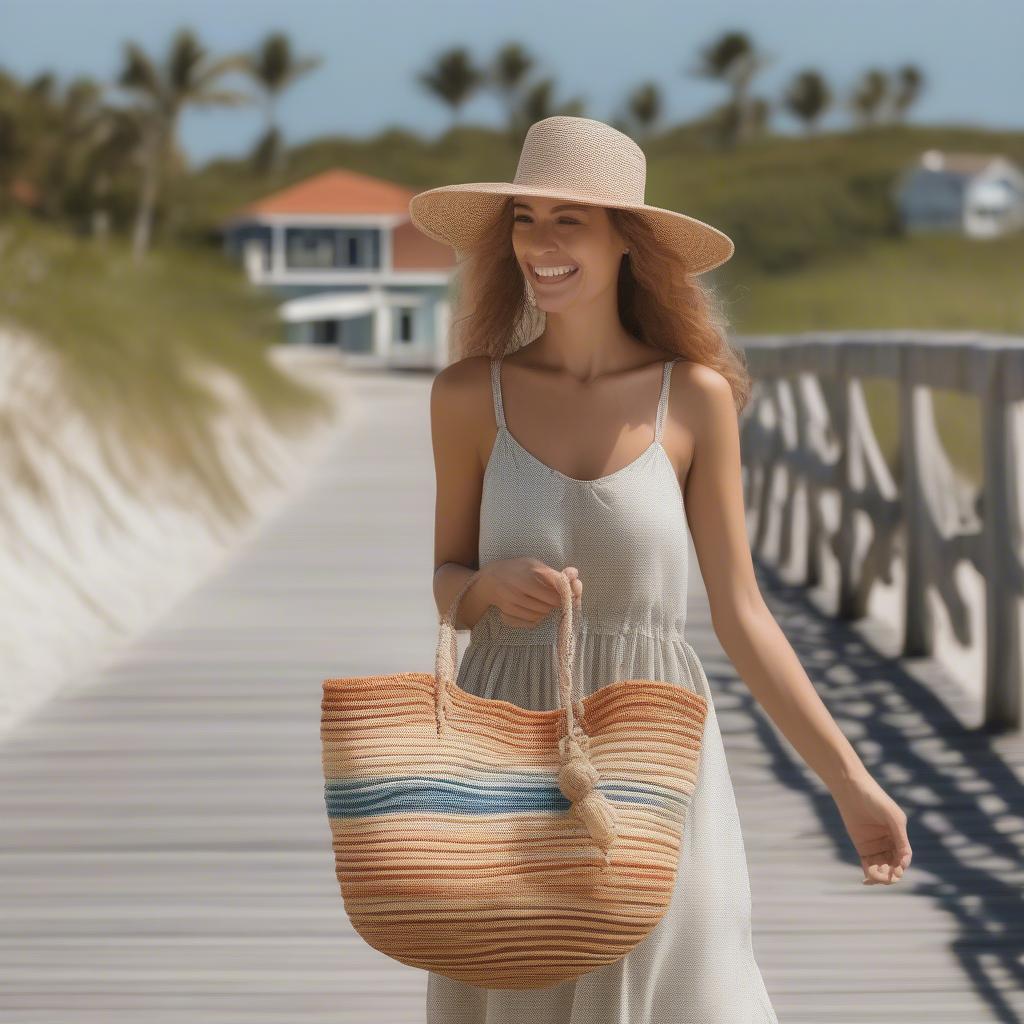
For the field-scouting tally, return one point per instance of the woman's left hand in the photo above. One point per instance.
(878, 828)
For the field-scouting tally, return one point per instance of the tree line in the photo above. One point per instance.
(732, 59)
(65, 149)
(81, 149)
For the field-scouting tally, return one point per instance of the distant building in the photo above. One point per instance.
(350, 268)
(980, 195)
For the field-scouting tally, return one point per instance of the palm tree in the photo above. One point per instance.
(162, 90)
(16, 137)
(9, 136)
(78, 124)
(733, 59)
(117, 142)
(868, 99)
(807, 98)
(537, 104)
(644, 106)
(453, 79)
(48, 131)
(909, 83)
(274, 67)
(510, 67)
(26, 132)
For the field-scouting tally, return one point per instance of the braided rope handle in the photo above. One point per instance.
(577, 777)
(447, 656)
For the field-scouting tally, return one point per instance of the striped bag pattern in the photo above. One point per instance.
(503, 846)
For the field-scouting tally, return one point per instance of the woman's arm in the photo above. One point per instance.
(462, 421)
(748, 632)
(456, 427)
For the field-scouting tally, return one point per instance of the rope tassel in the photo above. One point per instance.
(577, 779)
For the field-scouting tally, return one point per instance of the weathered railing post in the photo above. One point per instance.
(917, 640)
(1001, 543)
(844, 545)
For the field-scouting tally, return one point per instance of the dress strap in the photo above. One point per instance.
(499, 409)
(666, 380)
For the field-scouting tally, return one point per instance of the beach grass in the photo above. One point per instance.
(917, 282)
(135, 342)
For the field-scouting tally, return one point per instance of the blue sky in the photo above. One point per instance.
(970, 53)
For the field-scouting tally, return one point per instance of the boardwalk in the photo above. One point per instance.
(165, 855)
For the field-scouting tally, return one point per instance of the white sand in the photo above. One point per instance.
(86, 561)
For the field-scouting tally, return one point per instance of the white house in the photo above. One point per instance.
(980, 195)
(349, 267)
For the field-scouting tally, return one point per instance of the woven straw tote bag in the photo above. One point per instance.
(502, 846)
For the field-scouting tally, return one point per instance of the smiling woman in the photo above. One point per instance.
(584, 322)
(589, 311)
(518, 242)
(567, 252)
(549, 273)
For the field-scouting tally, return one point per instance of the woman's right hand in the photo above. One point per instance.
(525, 590)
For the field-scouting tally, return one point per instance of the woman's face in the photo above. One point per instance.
(551, 234)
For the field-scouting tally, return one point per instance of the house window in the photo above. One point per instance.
(405, 324)
(310, 248)
(328, 248)
(325, 332)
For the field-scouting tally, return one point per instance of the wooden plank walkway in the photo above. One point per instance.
(165, 854)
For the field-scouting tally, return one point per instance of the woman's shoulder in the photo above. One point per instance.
(462, 412)
(460, 392)
(462, 376)
(699, 379)
(698, 395)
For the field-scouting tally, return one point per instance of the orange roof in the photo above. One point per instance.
(340, 192)
(335, 192)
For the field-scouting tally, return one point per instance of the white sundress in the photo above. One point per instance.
(626, 532)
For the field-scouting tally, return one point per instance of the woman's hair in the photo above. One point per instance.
(660, 303)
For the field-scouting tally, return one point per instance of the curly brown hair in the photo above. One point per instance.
(660, 303)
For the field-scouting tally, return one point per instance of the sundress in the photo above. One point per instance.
(627, 534)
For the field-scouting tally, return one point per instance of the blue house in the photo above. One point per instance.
(350, 269)
(980, 195)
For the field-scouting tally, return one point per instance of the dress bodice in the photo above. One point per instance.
(626, 533)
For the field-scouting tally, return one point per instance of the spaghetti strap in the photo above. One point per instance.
(666, 380)
(499, 411)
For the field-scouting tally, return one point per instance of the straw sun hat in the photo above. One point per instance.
(572, 158)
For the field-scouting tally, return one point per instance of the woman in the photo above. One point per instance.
(591, 422)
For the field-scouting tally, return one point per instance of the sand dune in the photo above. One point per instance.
(88, 556)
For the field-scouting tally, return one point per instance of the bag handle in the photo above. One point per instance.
(577, 777)
(447, 657)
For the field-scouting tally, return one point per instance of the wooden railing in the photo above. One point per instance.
(806, 431)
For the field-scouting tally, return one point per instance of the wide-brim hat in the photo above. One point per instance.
(577, 159)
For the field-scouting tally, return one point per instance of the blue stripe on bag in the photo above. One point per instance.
(348, 798)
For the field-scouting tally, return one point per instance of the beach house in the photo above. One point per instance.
(349, 268)
(980, 195)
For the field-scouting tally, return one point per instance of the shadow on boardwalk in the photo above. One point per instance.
(165, 853)
(948, 946)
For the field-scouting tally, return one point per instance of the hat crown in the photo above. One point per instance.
(582, 155)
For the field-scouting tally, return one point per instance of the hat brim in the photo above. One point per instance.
(460, 216)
